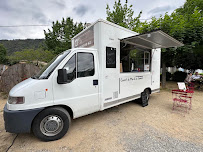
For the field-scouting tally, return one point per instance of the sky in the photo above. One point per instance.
(44, 12)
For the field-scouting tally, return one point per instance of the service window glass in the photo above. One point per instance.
(137, 60)
(71, 68)
(146, 56)
(134, 59)
(85, 64)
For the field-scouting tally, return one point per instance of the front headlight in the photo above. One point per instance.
(16, 100)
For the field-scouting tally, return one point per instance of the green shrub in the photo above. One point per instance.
(179, 76)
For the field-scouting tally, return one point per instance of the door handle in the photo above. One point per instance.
(95, 82)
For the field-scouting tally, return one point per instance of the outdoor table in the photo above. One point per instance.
(199, 82)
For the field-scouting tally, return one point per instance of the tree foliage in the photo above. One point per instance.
(186, 25)
(190, 6)
(2, 54)
(59, 38)
(192, 52)
(31, 55)
(19, 45)
(123, 15)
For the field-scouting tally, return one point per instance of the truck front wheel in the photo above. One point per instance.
(51, 124)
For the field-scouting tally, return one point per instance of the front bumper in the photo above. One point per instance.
(19, 121)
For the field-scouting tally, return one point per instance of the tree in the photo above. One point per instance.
(59, 38)
(189, 7)
(123, 15)
(3, 59)
(31, 55)
(184, 24)
(192, 52)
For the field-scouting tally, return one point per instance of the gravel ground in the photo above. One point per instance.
(128, 127)
(154, 141)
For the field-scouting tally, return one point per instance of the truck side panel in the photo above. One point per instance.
(110, 37)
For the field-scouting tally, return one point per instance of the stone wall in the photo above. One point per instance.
(15, 74)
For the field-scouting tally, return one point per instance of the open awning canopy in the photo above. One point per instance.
(153, 40)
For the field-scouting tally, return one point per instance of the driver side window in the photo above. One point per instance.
(71, 68)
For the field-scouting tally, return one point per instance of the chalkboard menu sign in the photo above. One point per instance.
(110, 57)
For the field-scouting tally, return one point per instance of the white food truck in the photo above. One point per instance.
(108, 65)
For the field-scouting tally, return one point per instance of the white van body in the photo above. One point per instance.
(83, 95)
(115, 87)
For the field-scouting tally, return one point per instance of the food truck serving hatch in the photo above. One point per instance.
(152, 40)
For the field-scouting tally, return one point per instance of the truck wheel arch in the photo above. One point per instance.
(149, 89)
(67, 108)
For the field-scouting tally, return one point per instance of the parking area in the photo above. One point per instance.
(128, 127)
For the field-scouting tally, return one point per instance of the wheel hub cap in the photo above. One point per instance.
(51, 125)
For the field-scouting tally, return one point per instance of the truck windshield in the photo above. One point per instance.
(46, 71)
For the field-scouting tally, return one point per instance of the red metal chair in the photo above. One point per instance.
(191, 86)
(182, 100)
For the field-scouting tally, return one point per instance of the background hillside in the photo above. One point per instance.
(19, 45)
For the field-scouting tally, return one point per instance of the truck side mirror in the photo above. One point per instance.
(62, 76)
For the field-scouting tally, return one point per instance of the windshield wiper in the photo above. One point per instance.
(34, 77)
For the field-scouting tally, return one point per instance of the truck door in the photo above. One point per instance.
(81, 91)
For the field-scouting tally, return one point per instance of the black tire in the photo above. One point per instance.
(148, 94)
(145, 98)
(51, 124)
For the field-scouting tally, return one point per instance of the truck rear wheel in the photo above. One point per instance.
(51, 124)
(145, 98)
